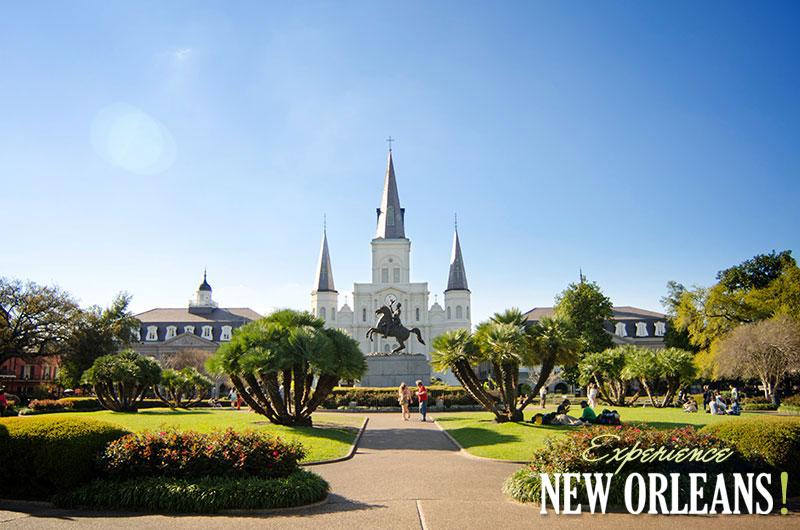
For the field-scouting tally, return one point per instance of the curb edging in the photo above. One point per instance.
(464, 452)
(349, 455)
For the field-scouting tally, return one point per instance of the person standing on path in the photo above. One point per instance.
(422, 396)
(404, 398)
(592, 395)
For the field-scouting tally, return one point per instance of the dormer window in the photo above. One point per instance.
(171, 332)
(152, 333)
(188, 329)
(641, 329)
(661, 329)
(226, 333)
(207, 334)
(620, 329)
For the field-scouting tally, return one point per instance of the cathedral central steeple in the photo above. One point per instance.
(390, 215)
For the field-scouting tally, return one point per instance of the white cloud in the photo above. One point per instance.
(182, 54)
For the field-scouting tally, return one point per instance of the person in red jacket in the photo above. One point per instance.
(422, 396)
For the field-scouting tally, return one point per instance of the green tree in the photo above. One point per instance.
(35, 320)
(120, 380)
(606, 369)
(757, 289)
(97, 332)
(588, 309)
(182, 388)
(676, 336)
(274, 362)
(506, 342)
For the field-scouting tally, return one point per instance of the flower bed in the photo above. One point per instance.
(192, 454)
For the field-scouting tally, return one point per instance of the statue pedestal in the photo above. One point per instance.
(389, 370)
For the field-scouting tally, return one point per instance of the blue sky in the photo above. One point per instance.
(642, 142)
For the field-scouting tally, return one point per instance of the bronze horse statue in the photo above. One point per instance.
(390, 326)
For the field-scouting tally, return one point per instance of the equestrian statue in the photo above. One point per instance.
(389, 325)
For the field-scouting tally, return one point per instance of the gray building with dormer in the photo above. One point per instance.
(201, 326)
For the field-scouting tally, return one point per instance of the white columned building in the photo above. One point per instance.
(391, 280)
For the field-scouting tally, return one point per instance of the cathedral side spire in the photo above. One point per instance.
(324, 281)
(457, 280)
(390, 214)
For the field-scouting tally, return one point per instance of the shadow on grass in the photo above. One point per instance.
(475, 436)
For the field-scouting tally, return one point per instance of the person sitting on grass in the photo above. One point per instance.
(735, 409)
(690, 405)
(588, 415)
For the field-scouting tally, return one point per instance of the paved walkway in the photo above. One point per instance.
(405, 475)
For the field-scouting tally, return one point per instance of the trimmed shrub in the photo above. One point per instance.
(192, 454)
(387, 397)
(201, 495)
(84, 404)
(768, 441)
(40, 456)
(564, 455)
(49, 405)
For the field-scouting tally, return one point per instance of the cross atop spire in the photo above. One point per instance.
(457, 280)
(389, 141)
(324, 281)
(390, 215)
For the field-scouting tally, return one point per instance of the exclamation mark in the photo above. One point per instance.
(784, 484)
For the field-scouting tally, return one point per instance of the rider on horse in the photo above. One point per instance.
(385, 327)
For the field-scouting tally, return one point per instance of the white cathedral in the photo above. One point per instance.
(391, 281)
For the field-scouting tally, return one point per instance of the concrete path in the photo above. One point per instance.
(405, 475)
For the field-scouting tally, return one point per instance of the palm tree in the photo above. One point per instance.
(273, 363)
(507, 342)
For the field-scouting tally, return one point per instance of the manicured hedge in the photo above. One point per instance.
(199, 495)
(192, 454)
(387, 397)
(89, 404)
(768, 441)
(564, 455)
(40, 456)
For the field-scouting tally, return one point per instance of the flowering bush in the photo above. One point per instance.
(566, 455)
(192, 454)
(49, 405)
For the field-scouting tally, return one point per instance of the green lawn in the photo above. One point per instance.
(481, 436)
(331, 436)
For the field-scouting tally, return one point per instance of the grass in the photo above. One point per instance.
(481, 436)
(331, 436)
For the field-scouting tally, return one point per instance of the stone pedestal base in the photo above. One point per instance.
(385, 370)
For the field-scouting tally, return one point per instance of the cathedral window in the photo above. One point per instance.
(171, 332)
(207, 333)
(417, 314)
(333, 313)
(467, 312)
(226, 333)
(363, 314)
(152, 333)
(188, 329)
(661, 329)
(620, 329)
(323, 314)
(396, 273)
(459, 312)
(449, 314)
(385, 275)
(641, 329)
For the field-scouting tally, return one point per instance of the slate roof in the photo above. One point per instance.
(457, 280)
(390, 214)
(324, 280)
(182, 314)
(624, 312)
